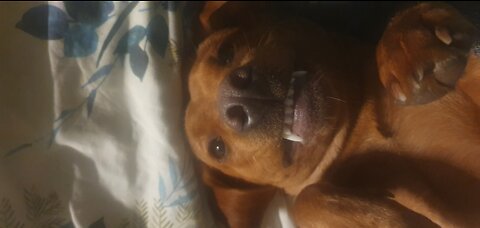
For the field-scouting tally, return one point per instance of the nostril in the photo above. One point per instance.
(241, 78)
(237, 117)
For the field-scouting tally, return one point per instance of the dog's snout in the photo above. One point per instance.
(241, 78)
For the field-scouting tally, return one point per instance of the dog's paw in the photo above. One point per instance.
(423, 52)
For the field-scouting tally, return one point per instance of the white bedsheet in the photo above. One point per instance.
(94, 145)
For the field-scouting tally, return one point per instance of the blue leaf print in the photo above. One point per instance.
(100, 73)
(98, 224)
(188, 182)
(138, 61)
(44, 22)
(115, 28)
(80, 40)
(93, 13)
(130, 39)
(161, 189)
(173, 171)
(180, 201)
(53, 136)
(157, 34)
(17, 149)
(64, 114)
(91, 101)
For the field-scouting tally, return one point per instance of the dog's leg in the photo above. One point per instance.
(329, 206)
(423, 52)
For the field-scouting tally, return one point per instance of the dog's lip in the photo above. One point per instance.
(255, 98)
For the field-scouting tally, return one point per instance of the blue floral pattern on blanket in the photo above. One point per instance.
(77, 28)
(77, 25)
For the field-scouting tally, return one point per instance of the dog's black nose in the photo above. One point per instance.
(241, 78)
(242, 114)
(239, 95)
(236, 117)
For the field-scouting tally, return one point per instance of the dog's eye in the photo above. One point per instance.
(216, 148)
(225, 53)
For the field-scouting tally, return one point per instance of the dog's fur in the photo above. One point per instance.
(386, 146)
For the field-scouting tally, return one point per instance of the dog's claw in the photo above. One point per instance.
(443, 35)
(398, 92)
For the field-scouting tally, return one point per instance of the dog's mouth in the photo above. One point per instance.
(296, 116)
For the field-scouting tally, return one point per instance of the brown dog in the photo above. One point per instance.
(281, 104)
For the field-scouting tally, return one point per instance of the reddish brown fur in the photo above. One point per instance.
(389, 165)
(237, 199)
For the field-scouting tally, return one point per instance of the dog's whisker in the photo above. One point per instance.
(265, 38)
(321, 74)
(262, 38)
(247, 41)
(336, 99)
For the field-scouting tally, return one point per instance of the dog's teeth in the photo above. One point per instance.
(288, 135)
(289, 102)
(290, 93)
(295, 138)
(443, 34)
(288, 111)
(299, 73)
(288, 121)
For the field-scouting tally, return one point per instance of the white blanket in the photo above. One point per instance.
(91, 117)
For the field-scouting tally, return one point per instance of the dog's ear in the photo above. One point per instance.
(239, 203)
(217, 15)
(208, 9)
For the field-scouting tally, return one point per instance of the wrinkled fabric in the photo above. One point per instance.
(91, 117)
